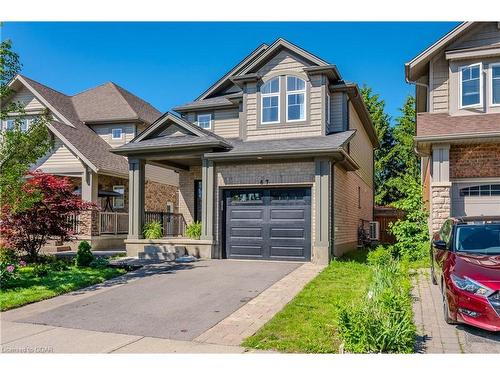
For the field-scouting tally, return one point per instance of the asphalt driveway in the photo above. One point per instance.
(177, 302)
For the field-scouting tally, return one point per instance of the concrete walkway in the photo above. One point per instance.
(89, 320)
(435, 335)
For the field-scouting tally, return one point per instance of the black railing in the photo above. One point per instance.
(173, 225)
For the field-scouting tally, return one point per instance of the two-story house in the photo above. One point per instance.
(458, 121)
(275, 160)
(84, 128)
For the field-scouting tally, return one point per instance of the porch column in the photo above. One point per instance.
(322, 192)
(136, 183)
(207, 205)
(440, 186)
(89, 186)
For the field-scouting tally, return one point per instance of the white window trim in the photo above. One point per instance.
(122, 197)
(491, 84)
(113, 136)
(262, 96)
(328, 107)
(481, 83)
(291, 92)
(210, 121)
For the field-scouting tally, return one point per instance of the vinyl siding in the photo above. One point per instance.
(161, 175)
(104, 131)
(484, 34)
(59, 159)
(361, 149)
(225, 122)
(439, 84)
(30, 102)
(285, 63)
(336, 112)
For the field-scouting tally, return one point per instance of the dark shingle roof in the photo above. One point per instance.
(107, 102)
(219, 101)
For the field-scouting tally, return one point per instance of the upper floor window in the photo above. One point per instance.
(295, 98)
(495, 84)
(24, 124)
(471, 85)
(205, 121)
(270, 101)
(116, 133)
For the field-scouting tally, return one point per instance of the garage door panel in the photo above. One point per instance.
(246, 232)
(288, 233)
(475, 199)
(287, 214)
(270, 228)
(247, 214)
(287, 252)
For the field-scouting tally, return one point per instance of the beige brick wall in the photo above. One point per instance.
(186, 192)
(347, 211)
(158, 195)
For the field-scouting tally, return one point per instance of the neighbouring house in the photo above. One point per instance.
(85, 127)
(275, 160)
(458, 121)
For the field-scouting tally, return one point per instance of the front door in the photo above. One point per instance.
(270, 224)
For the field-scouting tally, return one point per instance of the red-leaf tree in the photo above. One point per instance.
(28, 230)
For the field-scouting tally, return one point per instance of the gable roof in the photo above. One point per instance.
(153, 138)
(91, 149)
(415, 65)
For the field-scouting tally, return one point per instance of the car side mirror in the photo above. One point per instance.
(439, 244)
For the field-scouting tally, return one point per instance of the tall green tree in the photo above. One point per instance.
(19, 149)
(384, 166)
(412, 231)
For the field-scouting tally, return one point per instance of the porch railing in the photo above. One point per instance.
(173, 225)
(113, 222)
(74, 222)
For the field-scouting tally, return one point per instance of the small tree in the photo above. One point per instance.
(28, 230)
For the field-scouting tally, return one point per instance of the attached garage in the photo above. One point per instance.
(273, 224)
(475, 199)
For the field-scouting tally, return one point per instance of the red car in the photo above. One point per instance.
(465, 263)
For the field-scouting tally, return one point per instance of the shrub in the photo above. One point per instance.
(59, 265)
(84, 256)
(153, 230)
(41, 270)
(380, 256)
(383, 321)
(7, 255)
(99, 263)
(8, 272)
(193, 230)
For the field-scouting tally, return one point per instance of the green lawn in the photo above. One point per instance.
(28, 288)
(308, 323)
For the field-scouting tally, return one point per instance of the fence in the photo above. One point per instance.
(386, 215)
(113, 223)
(173, 225)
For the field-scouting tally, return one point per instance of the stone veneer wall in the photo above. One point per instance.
(106, 183)
(157, 196)
(440, 205)
(475, 160)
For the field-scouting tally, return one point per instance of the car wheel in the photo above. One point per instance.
(446, 309)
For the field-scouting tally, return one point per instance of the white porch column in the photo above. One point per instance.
(322, 215)
(207, 205)
(136, 183)
(89, 186)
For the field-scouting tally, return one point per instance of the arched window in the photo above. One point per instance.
(295, 99)
(270, 101)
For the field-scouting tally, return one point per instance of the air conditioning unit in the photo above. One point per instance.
(374, 230)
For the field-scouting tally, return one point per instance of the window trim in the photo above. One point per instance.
(328, 107)
(292, 92)
(497, 64)
(481, 85)
(122, 196)
(268, 95)
(198, 115)
(113, 136)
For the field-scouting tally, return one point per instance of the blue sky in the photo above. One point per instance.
(171, 63)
